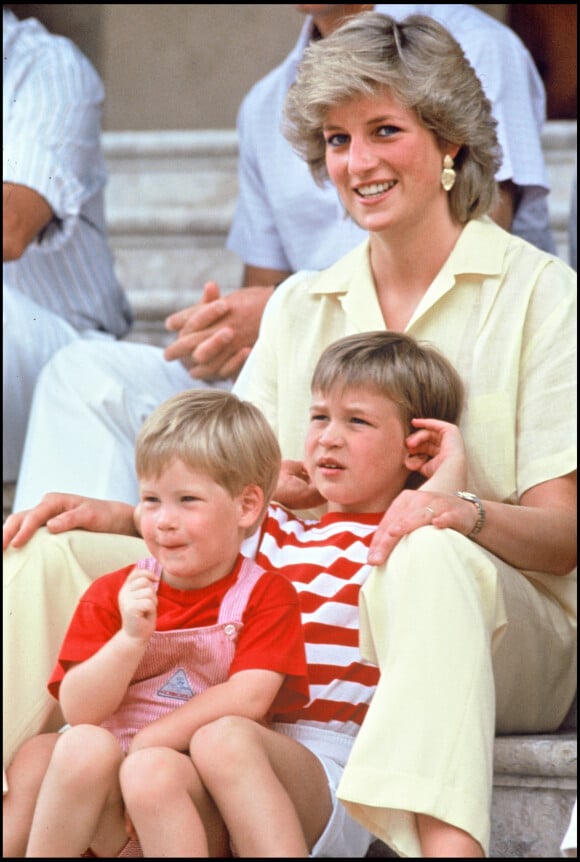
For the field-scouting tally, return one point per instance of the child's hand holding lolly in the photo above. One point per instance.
(138, 599)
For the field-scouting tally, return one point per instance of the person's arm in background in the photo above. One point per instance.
(215, 336)
(52, 161)
(507, 203)
(25, 213)
(515, 89)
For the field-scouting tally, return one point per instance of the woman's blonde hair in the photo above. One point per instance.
(212, 431)
(425, 69)
(414, 375)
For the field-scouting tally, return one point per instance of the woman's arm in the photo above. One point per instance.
(539, 534)
(62, 512)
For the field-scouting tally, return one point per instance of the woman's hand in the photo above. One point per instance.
(62, 512)
(444, 466)
(294, 489)
(414, 509)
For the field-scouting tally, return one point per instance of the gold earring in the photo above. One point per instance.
(448, 174)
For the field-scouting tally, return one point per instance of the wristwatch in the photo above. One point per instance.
(473, 498)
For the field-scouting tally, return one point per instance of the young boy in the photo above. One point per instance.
(380, 420)
(192, 633)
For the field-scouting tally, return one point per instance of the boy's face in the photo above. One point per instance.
(191, 525)
(355, 449)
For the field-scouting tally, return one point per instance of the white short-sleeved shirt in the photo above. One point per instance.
(284, 220)
(52, 103)
(504, 314)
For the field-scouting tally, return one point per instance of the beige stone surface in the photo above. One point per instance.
(175, 66)
(179, 66)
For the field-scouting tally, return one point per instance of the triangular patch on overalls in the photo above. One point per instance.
(177, 686)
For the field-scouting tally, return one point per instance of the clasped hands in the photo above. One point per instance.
(215, 337)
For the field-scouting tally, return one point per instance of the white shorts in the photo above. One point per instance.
(343, 837)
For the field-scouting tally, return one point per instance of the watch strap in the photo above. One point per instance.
(474, 499)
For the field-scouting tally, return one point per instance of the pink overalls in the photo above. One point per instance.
(179, 664)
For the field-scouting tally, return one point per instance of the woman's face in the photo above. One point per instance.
(385, 165)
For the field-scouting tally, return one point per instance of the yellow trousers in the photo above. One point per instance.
(43, 582)
(467, 647)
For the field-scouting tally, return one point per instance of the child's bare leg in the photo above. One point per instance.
(24, 775)
(80, 785)
(170, 810)
(270, 789)
(442, 840)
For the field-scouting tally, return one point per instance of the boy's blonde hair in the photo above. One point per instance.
(414, 375)
(212, 431)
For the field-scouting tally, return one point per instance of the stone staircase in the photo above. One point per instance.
(170, 200)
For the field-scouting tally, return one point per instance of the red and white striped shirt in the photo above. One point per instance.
(326, 562)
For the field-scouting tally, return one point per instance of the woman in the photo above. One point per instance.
(473, 635)
(394, 115)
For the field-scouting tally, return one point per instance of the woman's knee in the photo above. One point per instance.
(430, 574)
(446, 555)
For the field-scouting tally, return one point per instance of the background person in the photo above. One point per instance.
(58, 278)
(283, 223)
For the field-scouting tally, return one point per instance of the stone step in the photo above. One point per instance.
(170, 201)
(197, 169)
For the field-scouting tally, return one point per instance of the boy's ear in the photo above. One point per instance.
(251, 505)
(414, 462)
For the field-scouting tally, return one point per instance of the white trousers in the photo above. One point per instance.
(32, 335)
(569, 845)
(89, 404)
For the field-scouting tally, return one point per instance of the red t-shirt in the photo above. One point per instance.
(271, 638)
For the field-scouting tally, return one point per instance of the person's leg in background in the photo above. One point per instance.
(88, 406)
(32, 335)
